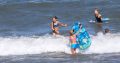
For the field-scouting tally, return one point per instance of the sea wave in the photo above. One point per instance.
(36, 45)
(3, 2)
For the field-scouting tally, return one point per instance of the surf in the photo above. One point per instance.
(28, 45)
(101, 44)
(108, 43)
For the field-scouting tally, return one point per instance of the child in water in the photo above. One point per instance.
(107, 31)
(73, 42)
(55, 25)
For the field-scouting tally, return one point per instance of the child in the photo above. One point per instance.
(107, 31)
(73, 42)
(55, 25)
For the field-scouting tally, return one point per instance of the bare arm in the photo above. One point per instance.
(100, 16)
(62, 24)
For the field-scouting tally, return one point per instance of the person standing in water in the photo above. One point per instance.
(55, 25)
(107, 31)
(73, 42)
(98, 16)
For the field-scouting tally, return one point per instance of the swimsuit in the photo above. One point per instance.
(73, 45)
(98, 19)
(55, 24)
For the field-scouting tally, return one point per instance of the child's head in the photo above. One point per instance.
(96, 11)
(71, 32)
(54, 18)
(107, 30)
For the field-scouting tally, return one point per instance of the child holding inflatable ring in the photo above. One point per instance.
(74, 45)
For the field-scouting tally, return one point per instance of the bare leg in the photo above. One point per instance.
(75, 51)
(56, 33)
(53, 34)
(72, 51)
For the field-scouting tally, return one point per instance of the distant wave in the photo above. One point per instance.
(3, 2)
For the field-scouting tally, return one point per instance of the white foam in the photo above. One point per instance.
(109, 43)
(26, 45)
(101, 43)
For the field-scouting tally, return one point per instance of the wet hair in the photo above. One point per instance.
(73, 30)
(55, 17)
(107, 30)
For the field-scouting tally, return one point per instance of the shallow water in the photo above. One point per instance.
(25, 35)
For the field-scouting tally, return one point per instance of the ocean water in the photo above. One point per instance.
(25, 34)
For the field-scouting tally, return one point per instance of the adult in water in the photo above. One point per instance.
(55, 24)
(98, 16)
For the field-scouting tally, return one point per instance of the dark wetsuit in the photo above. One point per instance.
(98, 19)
